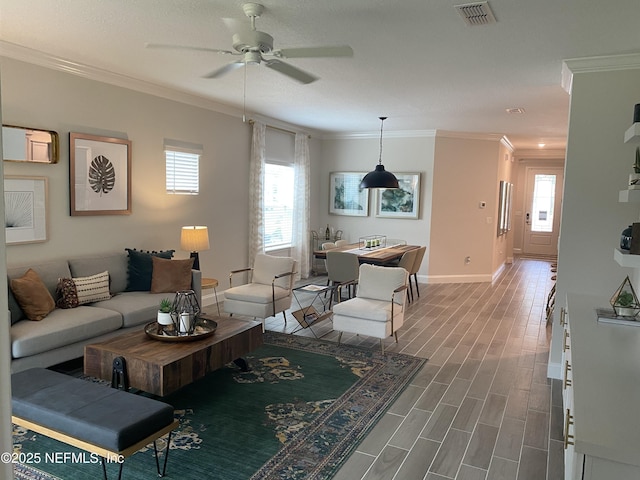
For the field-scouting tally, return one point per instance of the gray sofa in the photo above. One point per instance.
(63, 333)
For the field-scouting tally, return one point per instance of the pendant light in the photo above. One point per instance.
(379, 178)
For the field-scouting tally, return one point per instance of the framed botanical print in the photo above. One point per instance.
(345, 195)
(25, 209)
(99, 175)
(402, 202)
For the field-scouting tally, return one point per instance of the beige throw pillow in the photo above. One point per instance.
(94, 288)
(32, 295)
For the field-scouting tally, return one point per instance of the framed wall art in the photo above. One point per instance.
(99, 175)
(345, 195)
(402, 202)
(25, 209)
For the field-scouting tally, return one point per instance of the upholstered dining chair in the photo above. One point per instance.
(268, 290)
(379, 306)
(343, 269)
(413, 272)
(327, 246)
(341, 243)
(406, 261)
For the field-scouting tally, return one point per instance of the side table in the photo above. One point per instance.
(321, 295)
(211, 283)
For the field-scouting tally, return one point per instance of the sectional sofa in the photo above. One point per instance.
(136, 280)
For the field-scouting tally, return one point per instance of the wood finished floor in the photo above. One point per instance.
(481, 408)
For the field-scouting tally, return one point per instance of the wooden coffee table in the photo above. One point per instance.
(163, 367)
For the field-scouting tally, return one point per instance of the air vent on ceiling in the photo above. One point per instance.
(478, 13)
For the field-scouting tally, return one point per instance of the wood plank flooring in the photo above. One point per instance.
(481, 408)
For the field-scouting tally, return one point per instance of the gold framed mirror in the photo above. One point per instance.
(22, 144)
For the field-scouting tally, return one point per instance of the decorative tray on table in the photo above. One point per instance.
(167, 333)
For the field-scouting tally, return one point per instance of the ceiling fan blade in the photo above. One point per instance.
(229, 67)
(310, 52)
(291, 71)
(188, 47)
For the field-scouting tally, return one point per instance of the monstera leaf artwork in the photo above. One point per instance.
(102, 175)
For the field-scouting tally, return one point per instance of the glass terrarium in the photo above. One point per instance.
(372, 241)
(624, 301)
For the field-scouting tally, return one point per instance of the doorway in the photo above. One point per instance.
(543, 202)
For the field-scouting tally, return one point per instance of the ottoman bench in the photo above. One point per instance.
(110, 423)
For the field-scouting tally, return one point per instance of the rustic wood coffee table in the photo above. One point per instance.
(163, 367)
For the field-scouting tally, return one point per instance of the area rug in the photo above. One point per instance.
(298, 413)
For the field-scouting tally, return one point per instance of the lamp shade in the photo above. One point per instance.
(379, 178)
(194, 238)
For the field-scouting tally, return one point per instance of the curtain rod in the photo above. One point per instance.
(279, 129)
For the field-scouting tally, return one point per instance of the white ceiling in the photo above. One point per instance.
(415, 61)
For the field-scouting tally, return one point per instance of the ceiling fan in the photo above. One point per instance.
(256, 47)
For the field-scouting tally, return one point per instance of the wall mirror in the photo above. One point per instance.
(21, 144)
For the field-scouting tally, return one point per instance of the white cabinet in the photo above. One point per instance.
(601, 393)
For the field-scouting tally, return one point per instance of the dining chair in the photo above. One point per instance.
(378, 308)
(414, 270)
(327, 246)
(406, 261)
(343, 269)
(341, 243)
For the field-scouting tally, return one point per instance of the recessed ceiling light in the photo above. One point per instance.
(515, 110)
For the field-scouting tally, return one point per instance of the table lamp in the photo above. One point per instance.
(194, 239)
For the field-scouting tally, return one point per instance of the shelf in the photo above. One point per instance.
(633, 133)
(629, 196)
(625, 259)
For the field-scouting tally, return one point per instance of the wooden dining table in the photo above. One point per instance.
(376, 255)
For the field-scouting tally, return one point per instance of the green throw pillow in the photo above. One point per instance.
(141, 268)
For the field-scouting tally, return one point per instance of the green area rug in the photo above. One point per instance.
(301, 410)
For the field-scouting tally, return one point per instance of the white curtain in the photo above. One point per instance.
(256, 182)
(300, 249)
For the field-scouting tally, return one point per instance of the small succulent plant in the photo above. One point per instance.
(165, 305)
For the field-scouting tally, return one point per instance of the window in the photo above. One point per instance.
(182, 169)
(278, 205)
(544, 193)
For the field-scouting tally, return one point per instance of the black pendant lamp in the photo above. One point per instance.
(379, 178)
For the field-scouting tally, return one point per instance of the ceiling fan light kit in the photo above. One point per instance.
(380, 178)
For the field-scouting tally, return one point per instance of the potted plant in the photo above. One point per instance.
(164, 312)
(624, 301)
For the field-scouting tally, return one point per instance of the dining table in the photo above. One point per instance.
(375, 255)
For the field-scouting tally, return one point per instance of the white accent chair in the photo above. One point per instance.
(268, 290)
(379, 306)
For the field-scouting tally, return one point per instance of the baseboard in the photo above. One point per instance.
(483, 277)
(554, 370)
(209, 299)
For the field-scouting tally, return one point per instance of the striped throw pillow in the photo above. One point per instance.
(93, 288)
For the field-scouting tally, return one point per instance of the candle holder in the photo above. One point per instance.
(185, 311)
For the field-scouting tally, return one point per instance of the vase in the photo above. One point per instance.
(165, 318)
(625, 238)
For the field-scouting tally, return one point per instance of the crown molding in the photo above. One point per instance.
(387, 134)
(606, 63)
(28, 55)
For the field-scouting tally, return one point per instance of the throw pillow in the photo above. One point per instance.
(171, 275)
(67, 293)
(94, 288)
(141, 268)
(32, 295)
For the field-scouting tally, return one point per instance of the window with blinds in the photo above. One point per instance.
(278, 205)
(182, 170)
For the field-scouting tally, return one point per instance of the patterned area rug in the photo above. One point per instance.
(298, 413)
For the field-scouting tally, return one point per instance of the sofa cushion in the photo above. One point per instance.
(140, 268)
(255, 293)
(135, 308)
(116, 263)
(170, 275)
(92, 289)
(14, 307)
(31, 293)
(61, 328)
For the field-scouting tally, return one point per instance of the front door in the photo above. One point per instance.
(543, 206)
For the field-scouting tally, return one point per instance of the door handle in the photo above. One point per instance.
(528, 217)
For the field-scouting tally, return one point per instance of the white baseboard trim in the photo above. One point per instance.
(460, 278)
(209, 299)
(497, 273)
(554, 370)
